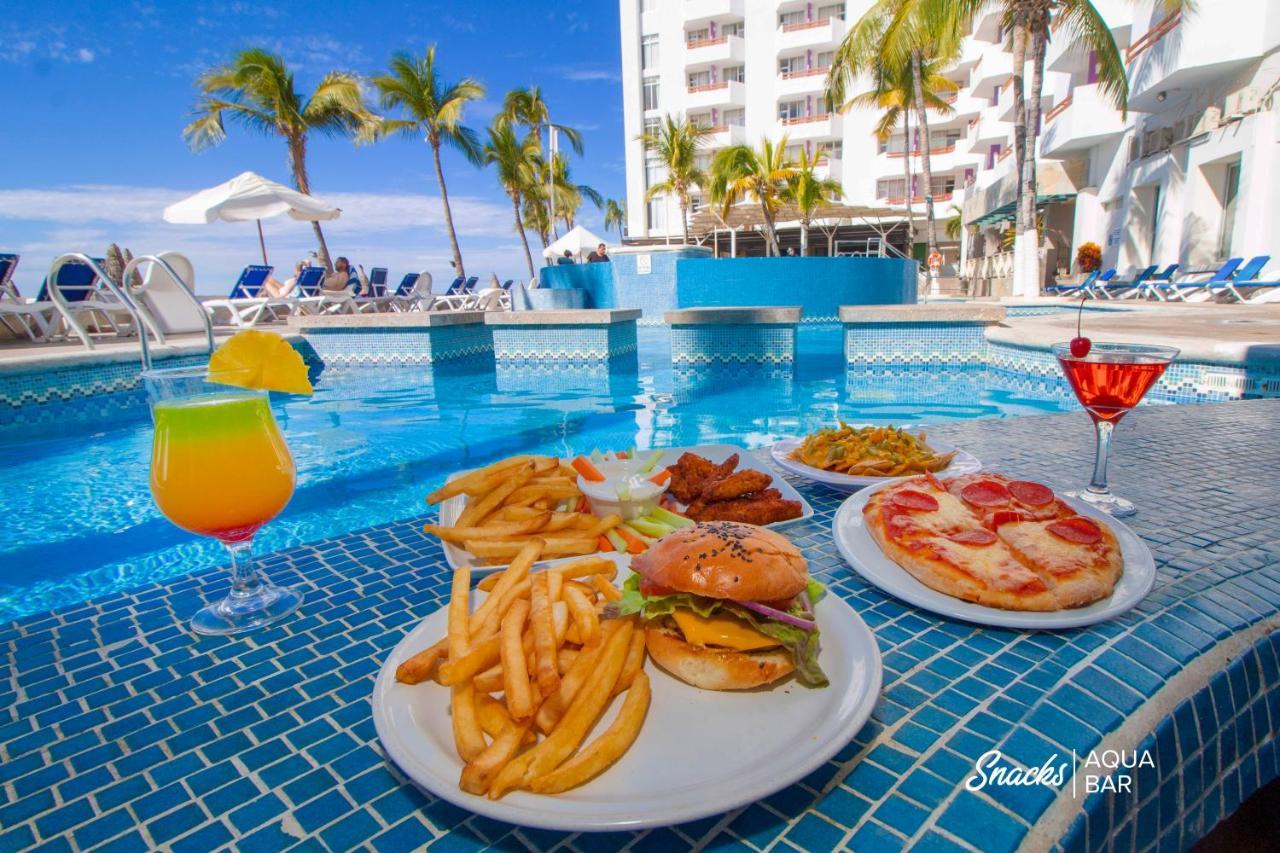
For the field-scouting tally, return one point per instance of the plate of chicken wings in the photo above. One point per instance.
(711, 482)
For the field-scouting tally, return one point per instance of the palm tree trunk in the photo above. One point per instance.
(906, 179)
(524, 238)
(1020, 150)
(684, 215)
(916, 84)
(1028, 233)
(804, 237)
(298, 165)
(769, 231)
(448, 214)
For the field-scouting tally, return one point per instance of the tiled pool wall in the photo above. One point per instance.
(756, 343)
(570, 344)
(956, 343)
(427, 345)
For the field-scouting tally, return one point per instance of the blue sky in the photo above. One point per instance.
(95, 95)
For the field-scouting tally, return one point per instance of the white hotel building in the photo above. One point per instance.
(1191, 174)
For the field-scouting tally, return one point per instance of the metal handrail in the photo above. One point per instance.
(187, 290)
(64, 307)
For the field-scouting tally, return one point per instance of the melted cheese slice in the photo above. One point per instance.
(1033, 540)
(721, 630)
(951, 515)
(992, 564)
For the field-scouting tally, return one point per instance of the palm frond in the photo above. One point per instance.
(1082, 24)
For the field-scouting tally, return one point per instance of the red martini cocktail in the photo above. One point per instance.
(1109, 380)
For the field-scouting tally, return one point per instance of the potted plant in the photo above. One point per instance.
(1088, 257)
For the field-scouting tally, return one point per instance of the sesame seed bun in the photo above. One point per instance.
(714, 668)
(726, 559)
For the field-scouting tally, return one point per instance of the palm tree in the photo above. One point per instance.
(515, 161)
(569, 196)
(256, 90)
(955, 223)
(675, 145)
(615, 214)
(433, 110)
(526, 107)
(810, 192)
(740, 171)
(906, 40)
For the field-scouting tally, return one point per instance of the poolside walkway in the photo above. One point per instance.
(122, 729)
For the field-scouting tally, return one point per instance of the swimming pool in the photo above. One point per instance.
(373, 441)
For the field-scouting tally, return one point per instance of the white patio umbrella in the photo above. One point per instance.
(248, 196)
(575, 241)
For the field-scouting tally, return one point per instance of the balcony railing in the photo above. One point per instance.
(709, 87)
(1151, 36)
(716, 128)
(915, 152)
(805, 25)
(917, 199)
(708, 42)
(804, 72)
(1059, 109)
(806, 119)
(1003, 154)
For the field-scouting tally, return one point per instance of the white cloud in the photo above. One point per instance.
(22, 46)
(589, 74)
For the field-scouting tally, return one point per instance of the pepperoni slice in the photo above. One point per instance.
(1031, 494)
(1005, 516)
(986, 493)
(977, 536)
(1082, 531)
(914, 500)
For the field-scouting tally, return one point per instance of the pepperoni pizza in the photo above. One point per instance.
(1011, 544)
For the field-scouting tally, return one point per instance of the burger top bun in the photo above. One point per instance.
(726, 559)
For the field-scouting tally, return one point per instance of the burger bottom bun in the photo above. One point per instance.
(713, 668)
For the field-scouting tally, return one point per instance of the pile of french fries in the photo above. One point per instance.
(538, 641)
(516, 500)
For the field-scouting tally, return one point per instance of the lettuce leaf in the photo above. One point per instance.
(802, 644)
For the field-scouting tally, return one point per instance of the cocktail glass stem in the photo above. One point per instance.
(252, 602)
(1098, 485)
(245, 581)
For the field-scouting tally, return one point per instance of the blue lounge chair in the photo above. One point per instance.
(406, 284)
(35, 320)
(1152, 286)
(1099, 281)
(245, 305)
(414, 292)
(1180, 290)
(1124, 288)
(1245, 276)
(376, 299)
(1070, 289)
(378, 282)
(81, 297)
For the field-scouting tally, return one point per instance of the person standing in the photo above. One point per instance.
(599, 256)
(934, 262)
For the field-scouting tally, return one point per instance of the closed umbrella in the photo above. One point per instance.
(248, 196)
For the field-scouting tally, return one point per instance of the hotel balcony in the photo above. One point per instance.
(966, 105)
(985, 131)
(1078, 123)
(726, 93)
(724, 135)
(715, 51)
(823, 31)
(697, 11)
(1176, 55)
(809, 81)
(1067, 55)
(822, 126)
(995, 67)
(1005, 110)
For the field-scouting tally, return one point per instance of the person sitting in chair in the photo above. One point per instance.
(344, 277)
(274, 287)
(566, 259)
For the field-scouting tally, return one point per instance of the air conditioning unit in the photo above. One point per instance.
(1210, 120)
(1240, 104)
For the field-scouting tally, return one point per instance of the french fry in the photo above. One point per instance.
(509, 548)
(584, 615)
(607, 523)
(491, 713)
(565, 658)
(516, 513)
(544, 639)
(569, 521)
(489, 681)
(478, 659)
(545, 464)
(467, 735)
(492, 530)
(606, 589)
(555, 586)
(587, 567)
(476, 511)
(459, 485)
(634, 663)
(515, 675)
(604, 751)
(551, 710)
(510, 578)
(480, 771)
(525, 495)
(576, 722)
(420, 667)
(488, 582)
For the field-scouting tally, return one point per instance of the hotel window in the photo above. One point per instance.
(943, 184)
(735, 118)
(835, 150)
(692, 36)
(737, 28)
(1229, 193)
(786, 19)
(825, 59)
(648, 51)
(648, 5)
(792, 152)
(736, 73)
(653, 173)
(652, 125)
(650, 93)
(699, 78)
(702, 161)
(835, 10)
(895, 144)
(890, 188)
(943, 138)
(790, 64)
(790, 110)
(657, 214)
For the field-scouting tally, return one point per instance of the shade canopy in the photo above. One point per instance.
(577, 241)
(749, 215)
(246, 197)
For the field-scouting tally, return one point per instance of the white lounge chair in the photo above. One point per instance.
(88, 301)
(34, 320)
(245, 306)
(167, 295)
(418, 297)
(377, 298)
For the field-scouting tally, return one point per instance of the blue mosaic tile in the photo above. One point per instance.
(383, 346)
(733, 344)
(570, 344)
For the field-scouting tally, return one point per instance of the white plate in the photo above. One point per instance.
(963, 463)
(700, 752)
(864, 554)
(453, 507)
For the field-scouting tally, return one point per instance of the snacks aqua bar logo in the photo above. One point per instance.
(1100, 771)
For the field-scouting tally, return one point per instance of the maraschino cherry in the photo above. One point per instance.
(1080, 345)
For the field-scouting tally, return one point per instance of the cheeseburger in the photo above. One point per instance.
(728, 606)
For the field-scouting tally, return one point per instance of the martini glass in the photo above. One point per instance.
(220, 468)
(1109, 381)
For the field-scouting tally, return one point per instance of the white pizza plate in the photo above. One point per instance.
(963, 463)
(863, 553)
(453, 507)
(699, 753)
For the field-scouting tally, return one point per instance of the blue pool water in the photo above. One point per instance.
(373, 441)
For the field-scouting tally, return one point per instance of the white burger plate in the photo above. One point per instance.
(963, 463)
(453, 507)
(700, 752)
(862, 552)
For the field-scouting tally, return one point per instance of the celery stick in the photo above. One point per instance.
(668, 517)
(649, 527)
(651, 462)
(617, 541)
(648, 540)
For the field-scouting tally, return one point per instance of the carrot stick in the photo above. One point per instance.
(583, 505)
(634, 545)
(605, 544)
(661, 477)
(588, 471)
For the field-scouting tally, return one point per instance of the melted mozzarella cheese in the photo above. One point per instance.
(950, 516)
(1054, 554)
(721, 630)
(992, 564)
